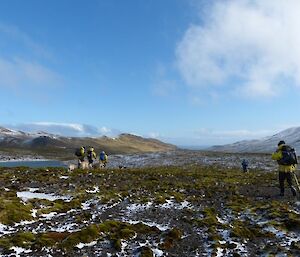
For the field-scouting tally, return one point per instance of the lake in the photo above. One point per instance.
(33, 164)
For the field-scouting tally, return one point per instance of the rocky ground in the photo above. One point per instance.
(187, 157)
(200, 204)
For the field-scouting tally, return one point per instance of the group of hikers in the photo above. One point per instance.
(286, 158)
(284, 155)
(91, 155)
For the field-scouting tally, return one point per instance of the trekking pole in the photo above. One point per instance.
(297, 182)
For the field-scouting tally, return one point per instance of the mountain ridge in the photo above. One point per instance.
(46, 143)
(265, 145)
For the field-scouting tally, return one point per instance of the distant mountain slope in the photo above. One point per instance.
(45, 143)
(266, 145)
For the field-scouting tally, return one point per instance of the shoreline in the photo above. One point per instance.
(25, 160)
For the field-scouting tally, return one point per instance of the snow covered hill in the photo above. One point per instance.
(265, 145)
(46, 142)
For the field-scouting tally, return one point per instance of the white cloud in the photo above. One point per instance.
(14, 34)
(155, 135)
(250, 47)
(22, 61)
(65, 129)
(19, 73)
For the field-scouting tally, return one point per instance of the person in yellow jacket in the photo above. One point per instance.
(80, 153)
(285, 171)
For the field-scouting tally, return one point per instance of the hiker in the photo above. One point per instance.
(103, 158)
(287, 160)
(80, 153)
(91, 155)
(245, 165)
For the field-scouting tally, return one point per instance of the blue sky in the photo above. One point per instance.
(184, 71)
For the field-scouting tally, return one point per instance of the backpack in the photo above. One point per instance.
(78, 152)
(289, 156)
(102, 157)
(90, 154)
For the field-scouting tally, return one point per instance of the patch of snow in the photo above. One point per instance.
(67, 228)
(20, 250)
(6, 189)
(4, 230)
(26, 195)
(157, 252)
(81, 245)
(33, 189)
(149, 224)
(2, 227)
(85, 205)
(49, 216)
(123, 249)
(64, 177)
(219, 252)
(34, 212)
(24, 222)
(221, 220)
(138, 207)
(96, 190)
(172, 204)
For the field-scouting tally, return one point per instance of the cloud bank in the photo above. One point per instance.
(248, 47)
(65, 129)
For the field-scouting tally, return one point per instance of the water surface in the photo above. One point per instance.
(33, 164)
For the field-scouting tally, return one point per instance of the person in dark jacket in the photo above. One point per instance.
(91, 155)
(245, 165)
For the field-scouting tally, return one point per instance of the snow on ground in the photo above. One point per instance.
(95, 190)
(148, 223)
(81, 245)
(19, 251)
(26, 195)
(172, 204)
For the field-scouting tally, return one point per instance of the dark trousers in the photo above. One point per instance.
(80, 160)
(288, 177)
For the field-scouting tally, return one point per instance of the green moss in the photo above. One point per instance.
(23, 239)
(160, 200)
(116, 243)
(213, 235)
(44, 240)
(292, 222)
(127, 233)
(12, 210)
(86, 235)
(171, 237)
(245, 230)
(146, 251)
(5, 243)
(144, 229)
